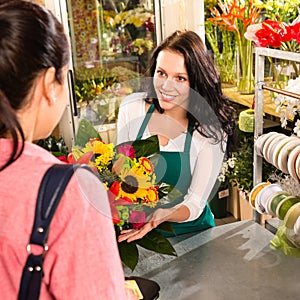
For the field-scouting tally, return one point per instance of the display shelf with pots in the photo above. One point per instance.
(261, 86)
(279, 198)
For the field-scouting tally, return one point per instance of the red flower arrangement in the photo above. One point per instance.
(278, 35)
(275, 34)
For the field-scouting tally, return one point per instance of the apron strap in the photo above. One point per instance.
(188, 138)
(145, 122)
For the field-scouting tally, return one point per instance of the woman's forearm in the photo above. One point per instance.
(178, 213)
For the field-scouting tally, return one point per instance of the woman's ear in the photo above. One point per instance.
(49, 85)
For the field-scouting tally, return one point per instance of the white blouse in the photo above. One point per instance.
(205, 157)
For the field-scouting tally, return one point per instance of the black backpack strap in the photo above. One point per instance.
(51, 190)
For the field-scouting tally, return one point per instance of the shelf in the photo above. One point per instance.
(247, 100)
(261, 100)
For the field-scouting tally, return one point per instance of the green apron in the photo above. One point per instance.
(174, 168)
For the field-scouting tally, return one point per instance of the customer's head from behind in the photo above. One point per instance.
(34, 58)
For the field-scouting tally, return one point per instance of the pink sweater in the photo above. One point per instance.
(83, 260)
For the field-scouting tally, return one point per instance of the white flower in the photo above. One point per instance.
(221, 178)
(226, 169)
(231, 162)
(289, 106)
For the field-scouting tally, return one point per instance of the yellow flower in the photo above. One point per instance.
(117, 19)
(100, 147)
(104, 154)
(88, 147)
(282, 11)
(136, 22)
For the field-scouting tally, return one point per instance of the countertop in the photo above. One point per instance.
(227, 262)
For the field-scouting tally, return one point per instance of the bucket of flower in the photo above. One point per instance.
(127, 172)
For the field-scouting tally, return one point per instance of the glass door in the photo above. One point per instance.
(111, 41)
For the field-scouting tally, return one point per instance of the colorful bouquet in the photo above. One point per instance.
(127, 171)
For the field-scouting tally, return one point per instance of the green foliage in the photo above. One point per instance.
(153, 241)
(156, 242)
(85, 132)
(92, 82)
(146, 147)
(57, 147)
(283, 11)
(129, 254)
(223, 44)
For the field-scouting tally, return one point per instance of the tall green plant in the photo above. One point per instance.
(223, 45)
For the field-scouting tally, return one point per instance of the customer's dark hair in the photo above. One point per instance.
(209, 109)
(31, 40)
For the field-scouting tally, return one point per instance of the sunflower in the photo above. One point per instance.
(134, 185)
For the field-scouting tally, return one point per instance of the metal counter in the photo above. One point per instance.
(227, 262)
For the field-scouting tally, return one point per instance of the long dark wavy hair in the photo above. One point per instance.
(209, 109)
(31, 40)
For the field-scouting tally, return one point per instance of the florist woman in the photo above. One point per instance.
(186, 109)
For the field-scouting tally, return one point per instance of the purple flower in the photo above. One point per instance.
(137, 219)
(127, 150)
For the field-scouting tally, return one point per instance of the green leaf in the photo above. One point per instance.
(144, 148)
(155, 241)
(129, 254)
(85, 132)
(166, 226)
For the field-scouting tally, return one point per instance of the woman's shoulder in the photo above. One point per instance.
(200, 142)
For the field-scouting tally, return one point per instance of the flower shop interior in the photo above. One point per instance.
(255, 45)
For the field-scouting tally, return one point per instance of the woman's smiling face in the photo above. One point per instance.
(171, 81)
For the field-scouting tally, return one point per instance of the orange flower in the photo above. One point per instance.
(152, 197)
(234, 16)
(146, 164)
